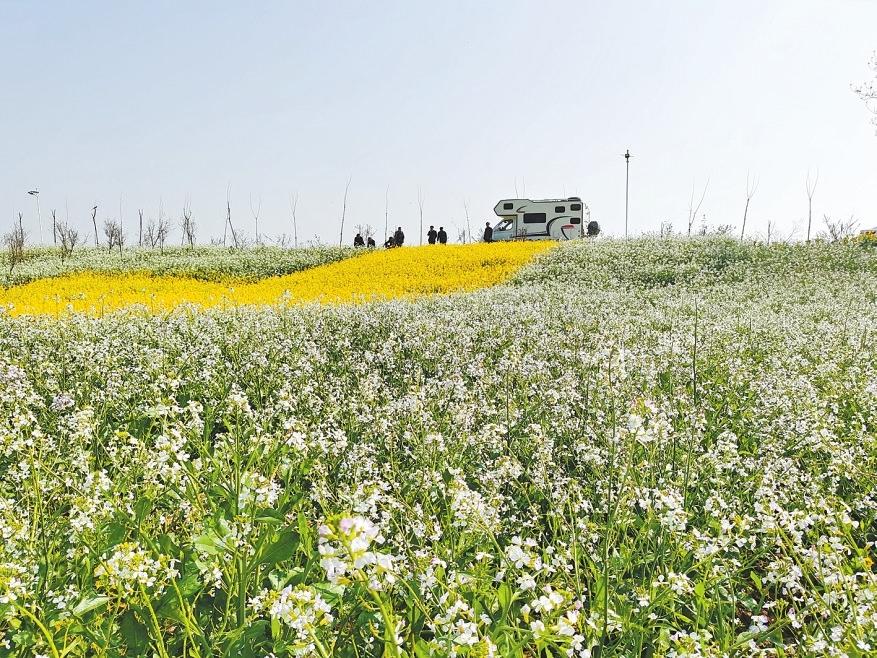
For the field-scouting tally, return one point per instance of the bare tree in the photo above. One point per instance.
(140, 231)
(69, 237)
(386, 213)
(867, 91)
(15, 243)
(94, 222)
(151, 234)
(113, 232)
(54, 228)
(228, 223)
(771, 227)
(293, 204)
(156, 232)
(256, 212)
(365, 230)
(751, 188)
(692, 208)
(420, 206)
(468, 228)
(839, 229)
(188, 226)
(810, 187)
(666, 229)
(162, 231)
(344, 211)
(462, 236)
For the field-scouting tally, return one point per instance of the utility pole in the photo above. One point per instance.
(36, 195)
(627, 157)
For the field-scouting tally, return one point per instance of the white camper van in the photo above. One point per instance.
(543, 219)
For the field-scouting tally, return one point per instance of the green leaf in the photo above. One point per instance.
(89, 604)
(504, 597)
(421, 649)
(757, 580)
(134, 633)
(699, 589)
(283, 548)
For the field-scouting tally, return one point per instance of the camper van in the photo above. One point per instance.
(544, 219)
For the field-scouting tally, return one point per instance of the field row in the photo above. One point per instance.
(375, 275)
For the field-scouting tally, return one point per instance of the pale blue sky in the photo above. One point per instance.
(463, 100)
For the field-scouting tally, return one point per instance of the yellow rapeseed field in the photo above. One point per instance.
(397, 273)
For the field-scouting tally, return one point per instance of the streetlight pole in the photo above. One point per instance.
(36, 195)
(626, 188)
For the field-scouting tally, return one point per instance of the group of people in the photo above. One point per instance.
(397, 239)
(359, 241)
(440, 236)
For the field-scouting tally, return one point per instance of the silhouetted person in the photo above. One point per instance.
(399, 237)
(390, 243)
(442, 235)
(488, 232)
(370, 243)
(358, 241)
(431, 235)
(593, 229)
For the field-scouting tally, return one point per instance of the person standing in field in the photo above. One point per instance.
(442, 235)
(370, 243)
(358, 241)
(488, 232)
(399, 237)
(431, 235)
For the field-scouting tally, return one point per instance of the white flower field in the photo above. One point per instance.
(643, 448)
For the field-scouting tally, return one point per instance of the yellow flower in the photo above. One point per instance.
(377, 275)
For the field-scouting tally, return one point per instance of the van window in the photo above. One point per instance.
(534, 218)
(575, 206)
(575, 220)
(508, 206)
(559, 208)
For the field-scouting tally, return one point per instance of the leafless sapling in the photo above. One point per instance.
(420, 207)
(293, 206)
(54, 228)
(468, 228)
(15, 244)
(693, 209)
(228, 222)
(751, 188)
(140, 230)
(810, 187)
(114, 235)
(256, 212)
(386, 213)
(344, 211)
(188, 226)
(69, 237)
(94, 223)
(162, 231)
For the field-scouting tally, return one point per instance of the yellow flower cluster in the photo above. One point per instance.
(398, 273)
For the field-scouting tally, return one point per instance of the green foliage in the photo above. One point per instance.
(206, 263)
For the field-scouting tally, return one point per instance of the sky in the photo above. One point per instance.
(152, 106)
